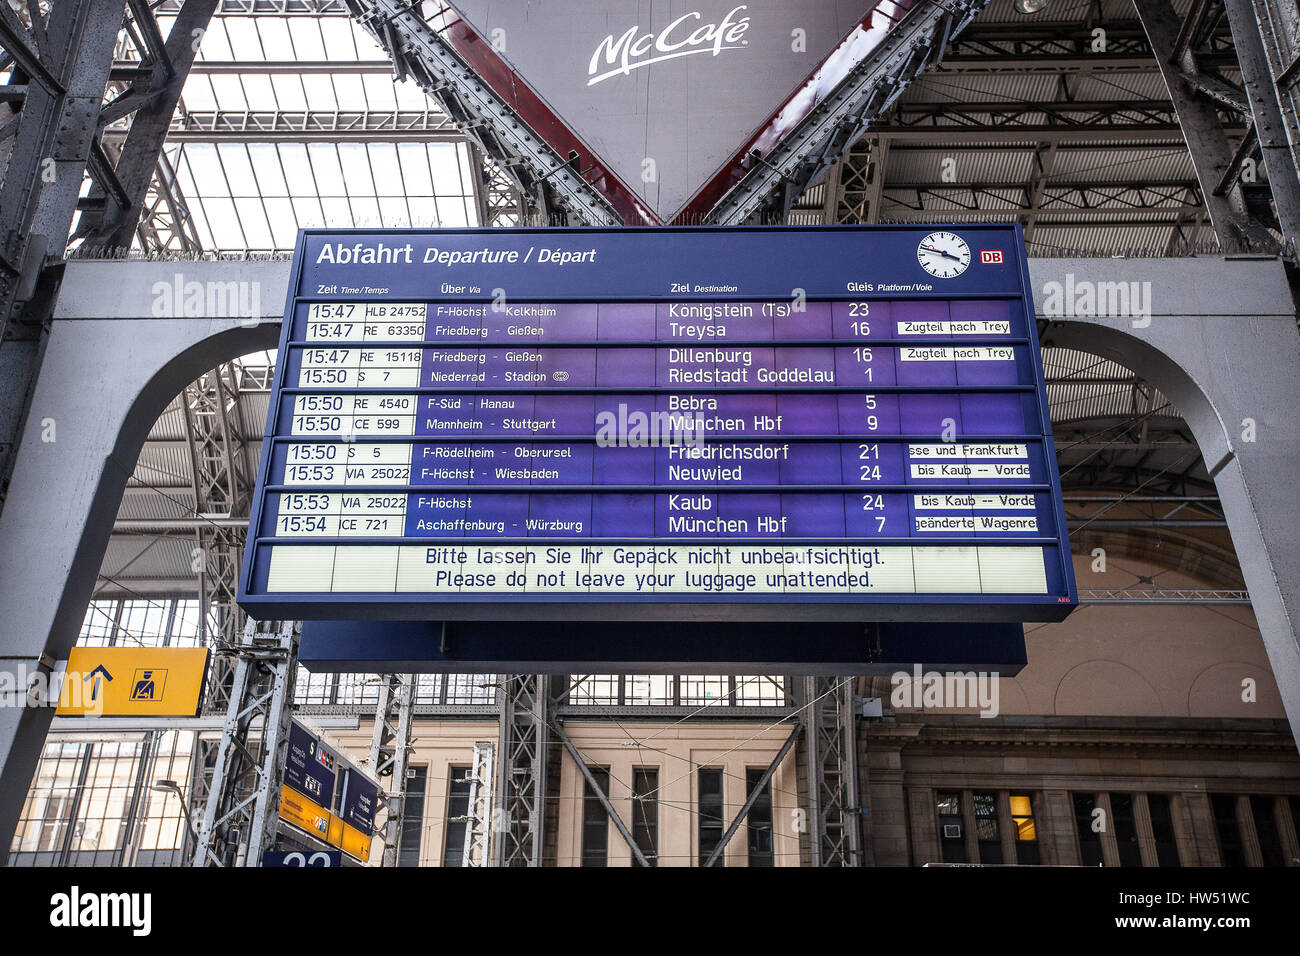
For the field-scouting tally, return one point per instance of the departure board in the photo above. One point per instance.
(703, 424)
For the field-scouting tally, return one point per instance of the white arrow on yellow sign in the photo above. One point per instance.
(133, 682)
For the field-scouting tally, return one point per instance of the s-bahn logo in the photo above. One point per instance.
(684, 36)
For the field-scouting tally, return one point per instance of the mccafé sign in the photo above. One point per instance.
(664, 102)
(639, 48)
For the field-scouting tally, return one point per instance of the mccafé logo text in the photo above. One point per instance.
(635, 49)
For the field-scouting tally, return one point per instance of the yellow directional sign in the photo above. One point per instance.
(133, 682)
(307, 814)
(323, 825)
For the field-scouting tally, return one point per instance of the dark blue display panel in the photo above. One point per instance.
(718, 424)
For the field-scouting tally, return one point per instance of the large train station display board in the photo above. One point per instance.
(659, 424)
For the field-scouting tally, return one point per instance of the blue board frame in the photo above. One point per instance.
(761, 263)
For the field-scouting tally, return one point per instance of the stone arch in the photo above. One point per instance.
(106, 377)
(1220, 340)
(169, 355)
(1217, 690)
(1127, 691)
(1158, 368)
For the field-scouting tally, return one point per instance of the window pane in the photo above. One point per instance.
(648, 689)
(408, 848)
(759, 820)
(986, 827)
(705, 689)
(453, 844)
(764, 690)
(1270, 841)
(595, 821)
(1225, 822)
(595, 689)
(952, 840)
(645, 813)
(710, 813)
(1162, 825)
(1121, 808)
(1089, 839)
(1022, 819)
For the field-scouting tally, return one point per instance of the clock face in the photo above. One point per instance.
(943, 255)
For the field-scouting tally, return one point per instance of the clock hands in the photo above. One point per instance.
(946, 255)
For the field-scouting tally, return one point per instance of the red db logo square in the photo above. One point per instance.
(991, 257)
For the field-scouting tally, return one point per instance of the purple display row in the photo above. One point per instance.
(686, 515)
(746, 464)
(699, 322)
(687, 366)
(660, 419)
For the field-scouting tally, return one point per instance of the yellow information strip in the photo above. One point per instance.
(305, 814)
(323, 825)
(133, 682)
(353, 842)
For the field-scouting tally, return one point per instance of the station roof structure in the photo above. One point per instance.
(1060, 120)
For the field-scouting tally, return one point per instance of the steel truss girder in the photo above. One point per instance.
(829, 749)
(1197, 97)
(751, 798)
(775, 180)
(267, 8)
(1279, 28)
(166, 225)
(111, 211)
(499, 202)
(1099, 116)
(1272, 104)
(239, 817)
(390, 749)
(1044, 198)
(62, 67)
(220, 482)
(332, 126)
(521, 769)
(62, 64)
(478, 825)
(419, 51)
(221, 476)
(854, 182)
(1138, 596)
(601, 795)
(1052, 47)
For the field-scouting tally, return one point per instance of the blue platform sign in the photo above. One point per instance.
(659, 424)
(310, 766)
(359, 802)
(302, 858)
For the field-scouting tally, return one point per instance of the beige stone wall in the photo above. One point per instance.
(910, 761)
(1157, 661)
(676, 750)
(1123, 699)
(440, 745)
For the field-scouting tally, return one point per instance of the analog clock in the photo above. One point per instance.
(943, 255)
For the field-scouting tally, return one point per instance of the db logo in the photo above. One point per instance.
(991, 257)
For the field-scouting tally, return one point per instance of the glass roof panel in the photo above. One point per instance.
(388, 173)
(259, 92)
(350, 91)
(290, 92)
(250, 185)
(326, 169)
(239, 171)
(266, 165)
(356, 169)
